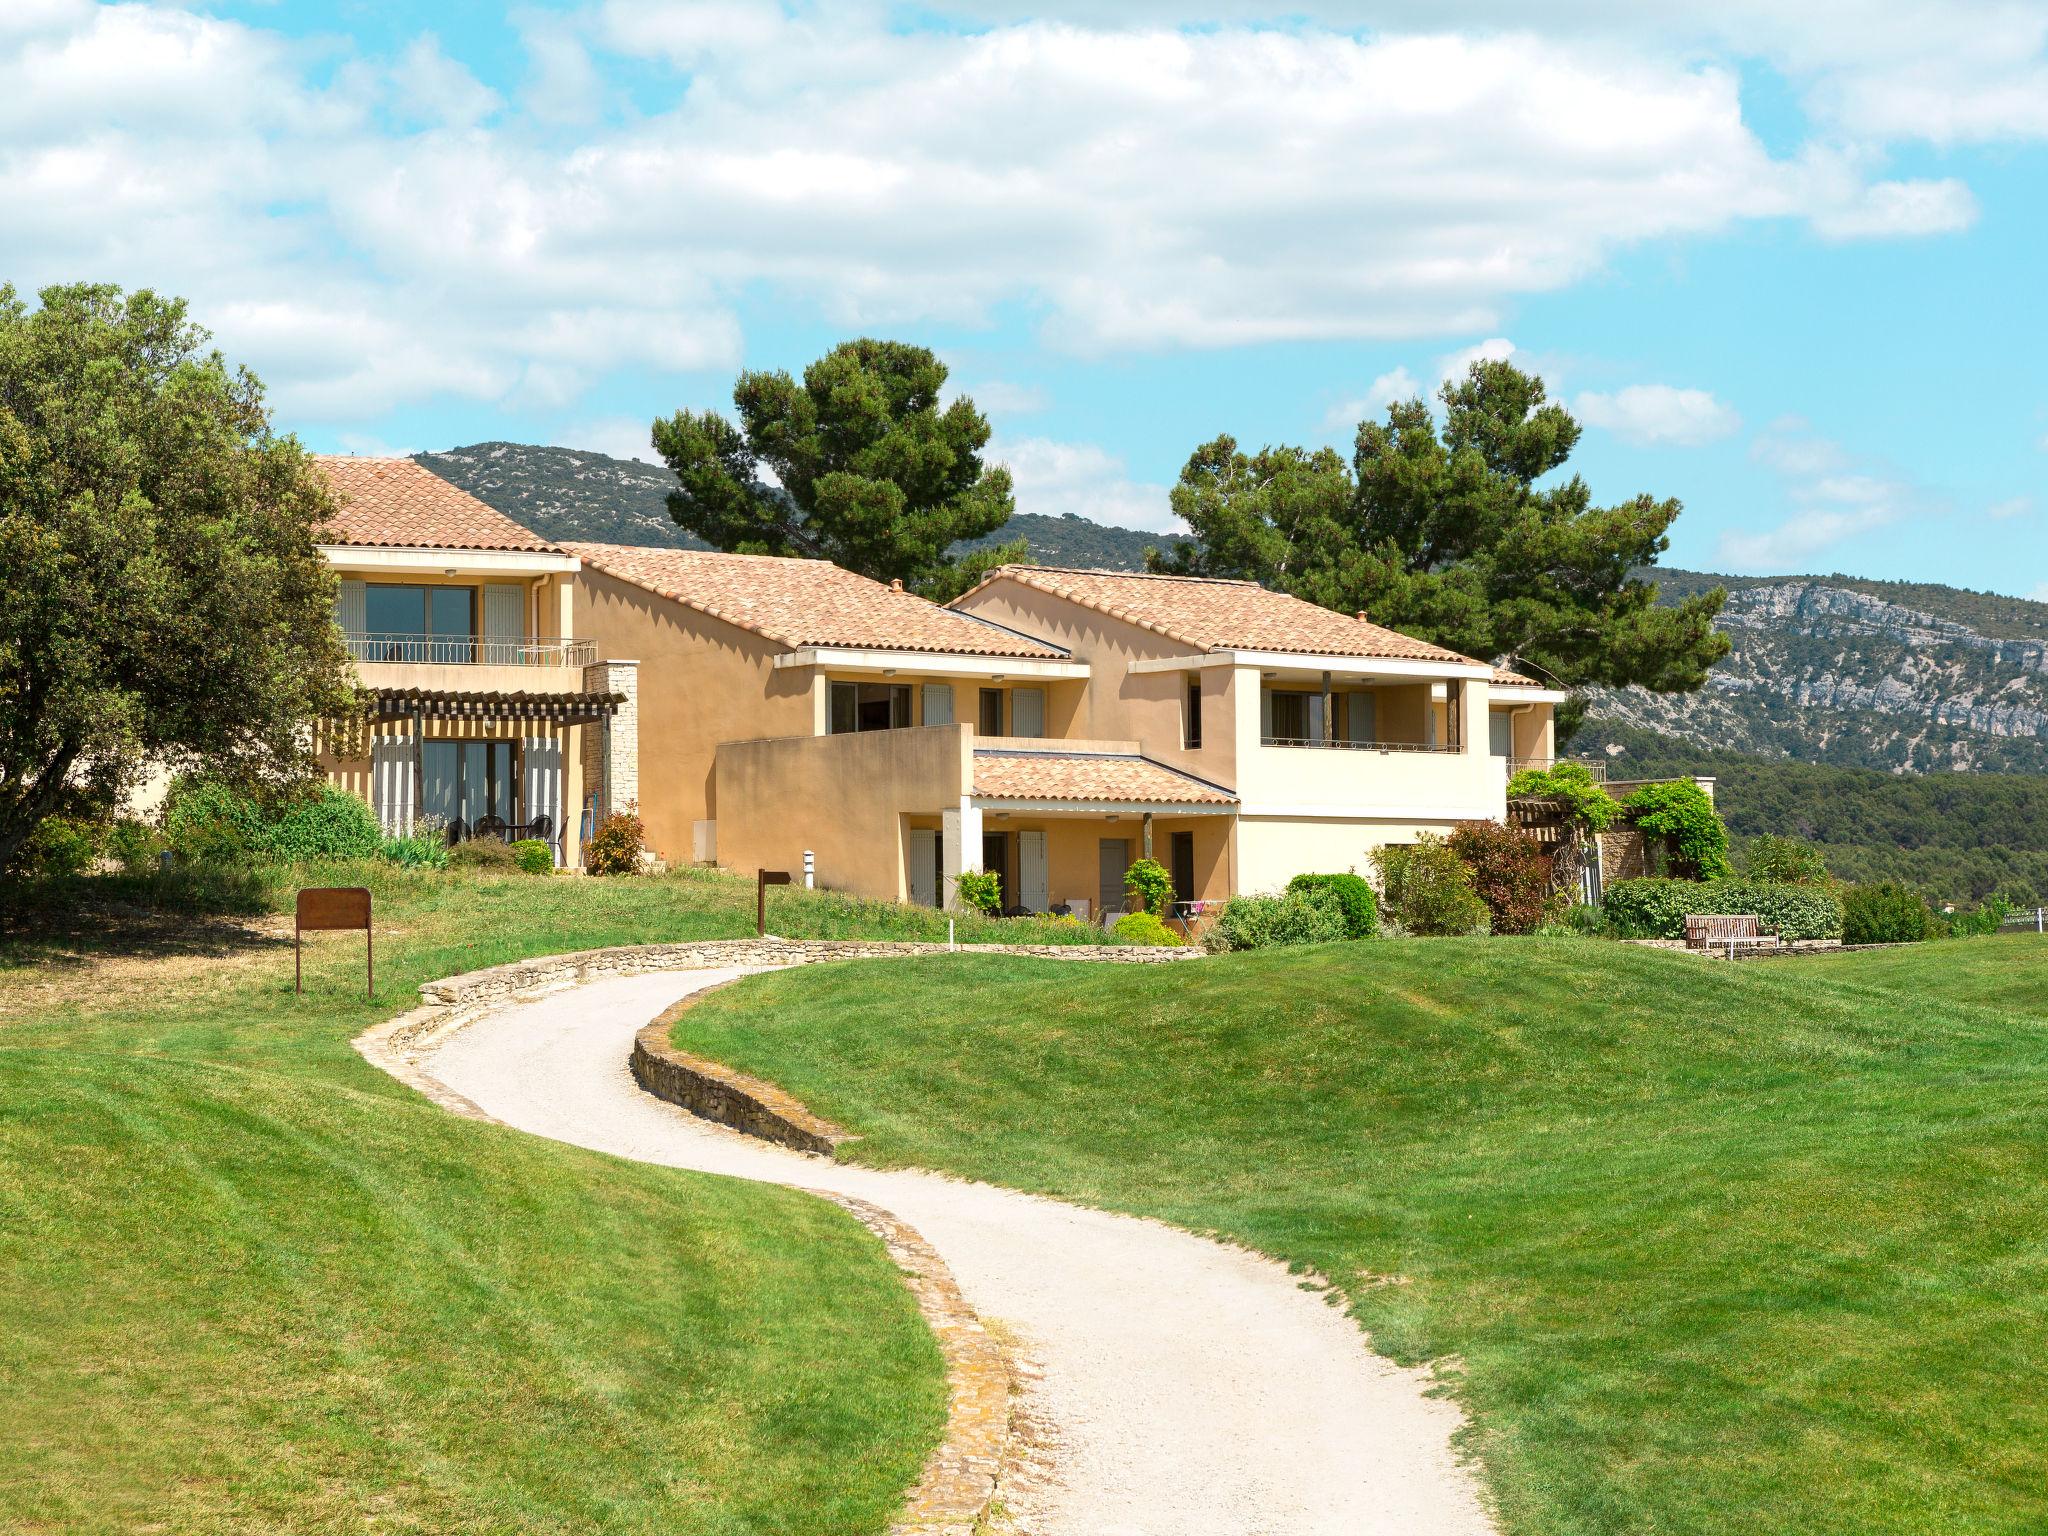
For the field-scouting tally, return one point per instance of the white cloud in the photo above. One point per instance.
(623, 437)
(1899, 208)
(1833, 498)
(999, 397)
(1399, 384)
(1654, 414)
(1365, 186)
(2011, 507)
(2040, 593)
(1055, 478)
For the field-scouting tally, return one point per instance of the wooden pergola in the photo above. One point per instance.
(451, 704)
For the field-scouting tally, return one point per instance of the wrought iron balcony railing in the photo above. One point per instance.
(1358, 746)
(467, 651)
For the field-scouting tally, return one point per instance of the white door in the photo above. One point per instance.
(924, 866)
(543, 784)
(1032, 882)
(391, 783)
(504, 622)
(1500, 727)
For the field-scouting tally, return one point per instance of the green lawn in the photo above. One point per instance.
(249, 1283)
(1707, 1248)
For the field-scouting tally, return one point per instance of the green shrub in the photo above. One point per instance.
(1509, 873)
(1149, 886)
(1427, 888)
(1679, 811)
(134, 845)
(424, 847)
(534, 856)
(60, 847)
(1260, 922)
(1885, 912)
(1144, 928)
(1354, 897)
(329, 823)
(615, 845)
(980, 890)
(1787, 860)
(1658, 908)
(486, 853)
(209, 822)
(1573, 783)
(1984, 920)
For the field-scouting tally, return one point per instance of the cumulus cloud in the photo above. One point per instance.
(1654, 415)
(1398, 384)
(1834, 498)
(388, 228)
(1054, 479)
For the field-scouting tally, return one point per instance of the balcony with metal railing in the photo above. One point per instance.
(1357, 746)
(469, 651)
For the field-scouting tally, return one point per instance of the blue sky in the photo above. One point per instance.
(1782, 260)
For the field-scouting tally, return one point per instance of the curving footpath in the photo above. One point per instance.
(1177, 1386)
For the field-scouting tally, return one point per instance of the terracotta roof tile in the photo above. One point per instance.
(1503, 678)
(807, 602)
(396, 502)
(1214, 614)
(1093, 776)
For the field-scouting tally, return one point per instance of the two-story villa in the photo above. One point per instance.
(484, 707)
(1333, 735)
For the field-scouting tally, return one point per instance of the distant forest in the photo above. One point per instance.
(1959, 836)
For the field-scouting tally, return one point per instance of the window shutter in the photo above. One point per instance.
(1027, 711)
(938, 705)
(504, 622)
(1361, 717)
(352, 610)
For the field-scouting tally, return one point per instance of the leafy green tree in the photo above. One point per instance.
(1790, 860)
(857, 464)
(1445, 534)
(163, 600)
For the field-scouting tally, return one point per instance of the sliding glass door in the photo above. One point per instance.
(465, 781)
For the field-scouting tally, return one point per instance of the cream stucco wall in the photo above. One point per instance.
(702, 682)
(1146, 707)
(846, 798)
(1272, 851)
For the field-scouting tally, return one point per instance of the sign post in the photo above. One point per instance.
(321, 908)
(766, 878)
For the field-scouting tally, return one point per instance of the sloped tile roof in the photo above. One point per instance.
(1215, 614)
(1503, 678)
(1088, 776)
(807, 602)
(397, 503)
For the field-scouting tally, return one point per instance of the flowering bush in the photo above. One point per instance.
(615, 845)
(1509, 873)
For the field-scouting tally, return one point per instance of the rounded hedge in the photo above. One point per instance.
(1657, 909)
(1884, 913)
(1354, 897)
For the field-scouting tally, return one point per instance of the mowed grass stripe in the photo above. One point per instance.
(1710, 1248)
(246, 1282)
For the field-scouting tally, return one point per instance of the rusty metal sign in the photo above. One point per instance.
(322, 908)
(766, 878)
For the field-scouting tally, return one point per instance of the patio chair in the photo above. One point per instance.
(489, 826)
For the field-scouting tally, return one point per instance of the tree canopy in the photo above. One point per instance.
(163, 601)
(857, 464)
(1443, 533)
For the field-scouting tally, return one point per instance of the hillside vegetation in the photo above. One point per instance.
(1959, 836)
(249, 1283)
(1729, 1250)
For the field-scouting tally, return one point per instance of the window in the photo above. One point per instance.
(938, 703)
(1361, 717)
(1191, 718)
(1183, 866)
(464, 781)
(1293, 718)
(1500, 729)
(991, 723)
(418, 623)
(1027, 712)
(869, 707)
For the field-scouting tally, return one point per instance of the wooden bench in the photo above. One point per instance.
(1727, 931)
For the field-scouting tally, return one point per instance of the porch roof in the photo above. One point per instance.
(1011, 776)
(451, 704)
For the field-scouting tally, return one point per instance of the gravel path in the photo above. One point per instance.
(1186, 1388)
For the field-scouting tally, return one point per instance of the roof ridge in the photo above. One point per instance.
(1103, 570)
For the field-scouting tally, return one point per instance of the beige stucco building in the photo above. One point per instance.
(1051, 725)
(484, 708)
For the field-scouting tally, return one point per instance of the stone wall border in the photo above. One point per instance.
(717, 1093)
